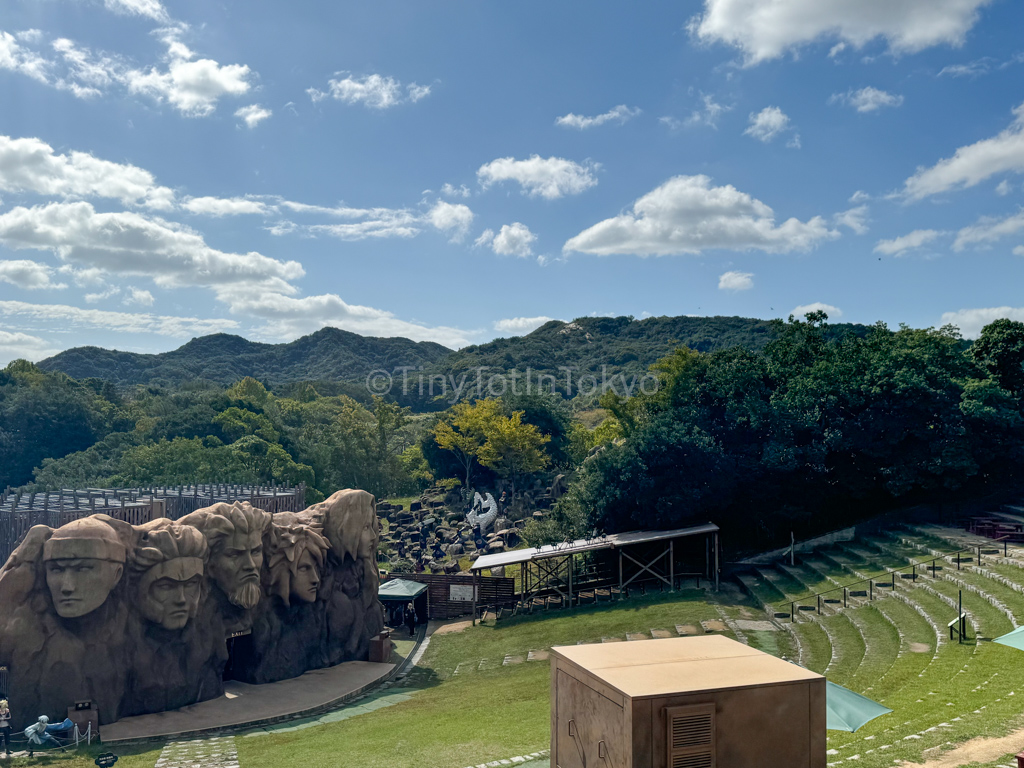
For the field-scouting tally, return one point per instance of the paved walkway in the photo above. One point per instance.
(203, 753)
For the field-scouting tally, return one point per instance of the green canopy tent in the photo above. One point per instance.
(400, 589)
(1013, 639)
(848, 711)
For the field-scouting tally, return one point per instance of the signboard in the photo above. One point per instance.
(106, 760)
(462, 592)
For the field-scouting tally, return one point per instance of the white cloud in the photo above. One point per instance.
(128, 243)
(28, 275)
(972, 164)
(139, 297)
(230, 206)
(87, 74)
(193, 86)
(287, 318)
(126, 322)
(549, 178)
(767, 29)
(971, 321)
(1019, 250)
(687, 215)
(673, 123)
(93, 298)
(30, 165)
(454, 219)
(860, 196)
(867, 99)
(374, 91)
(520, 326)
(898, 246)
(833, 312)
(449, 191)
(989, 230)
(970, 69)
(21, 346)
(767, 124)
(151, 9)
(855, 219)
(1003, 188)
(709, 115)
(514, 239)
(253, 115)
(619, 114)
(17, 58)
(736, 281)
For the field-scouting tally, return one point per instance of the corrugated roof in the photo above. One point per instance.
(400, 589)
(612, 541)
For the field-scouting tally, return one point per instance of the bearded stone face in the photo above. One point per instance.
(235, 568)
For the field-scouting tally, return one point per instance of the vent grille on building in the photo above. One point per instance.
(691, 736)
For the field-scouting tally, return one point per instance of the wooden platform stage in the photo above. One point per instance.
(245, 705)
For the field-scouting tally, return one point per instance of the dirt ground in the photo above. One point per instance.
(980, 750)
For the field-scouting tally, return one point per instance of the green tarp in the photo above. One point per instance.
(1013, 639)
(848, 711)
(400, 589)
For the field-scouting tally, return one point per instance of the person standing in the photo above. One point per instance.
(5, 726)
(410, 619)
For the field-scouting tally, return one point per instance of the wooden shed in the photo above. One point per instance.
(688, 702)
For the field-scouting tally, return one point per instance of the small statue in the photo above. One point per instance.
(486, 516)
(37, 735)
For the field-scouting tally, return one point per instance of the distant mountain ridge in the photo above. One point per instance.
(330, 354)
(591, 344)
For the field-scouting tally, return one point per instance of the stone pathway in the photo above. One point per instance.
(218, 752)
(534, 757)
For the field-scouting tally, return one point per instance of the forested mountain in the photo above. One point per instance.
(330, 354)
(623, 344)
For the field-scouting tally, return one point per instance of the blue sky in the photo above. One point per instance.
(460, 171)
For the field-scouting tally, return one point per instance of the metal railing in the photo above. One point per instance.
(905, 572)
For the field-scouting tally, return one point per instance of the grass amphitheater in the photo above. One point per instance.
(480, 694)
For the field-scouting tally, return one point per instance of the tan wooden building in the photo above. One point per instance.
(689, 702)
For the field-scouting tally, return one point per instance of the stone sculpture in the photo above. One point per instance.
(139, 619)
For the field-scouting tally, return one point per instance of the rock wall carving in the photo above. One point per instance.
(141, 619)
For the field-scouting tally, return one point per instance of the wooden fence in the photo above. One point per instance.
(452, 596)
(21, 511)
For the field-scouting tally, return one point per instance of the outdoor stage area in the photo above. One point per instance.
(244, 705)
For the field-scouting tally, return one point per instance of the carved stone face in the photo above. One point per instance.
(235, 568)
(80, 586)
(306, 580)
(169, 593)
(367, 548)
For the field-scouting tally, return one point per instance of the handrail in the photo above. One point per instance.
(845, 588)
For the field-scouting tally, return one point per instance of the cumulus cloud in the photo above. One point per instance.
(21, 346)
(989, 230)
(31, 165)
(971, 321)
(253, 115)
(972, 164)
(192, 85)
(162, 325)
(767, 124)
(736, 281)
(619, 114)
(514, 239)
(520, 326)
(805, 309)
(855, 219)
(708, 115)
(867, 99)
(17, 58)
(451, 191)
(373, 91)
(767, 29)
(688, 215)
(454, 219)
(899, 246)
(150, 9)
(226, 206)
(27, 275)
(550, 178)
(139, 297)
(128, 243)
(287, 318)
